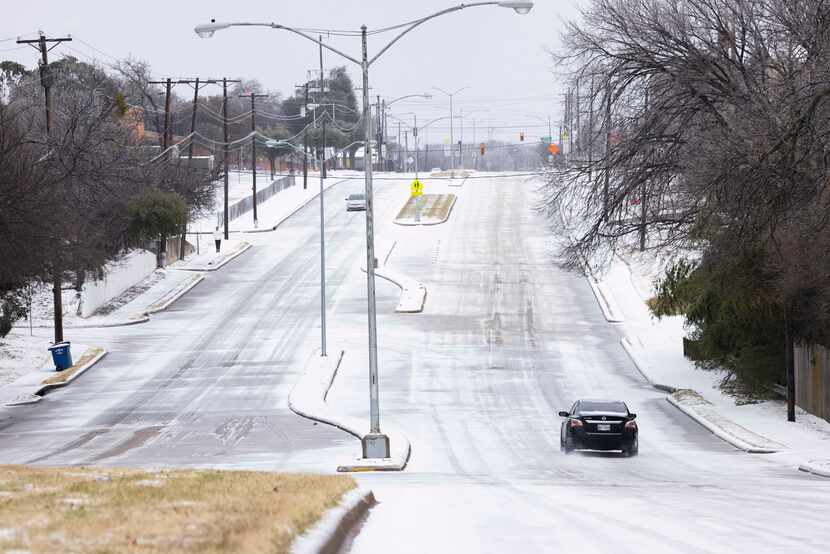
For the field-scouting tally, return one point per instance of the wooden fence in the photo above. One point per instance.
(812, 380)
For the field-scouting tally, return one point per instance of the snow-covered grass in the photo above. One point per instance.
(19, 353)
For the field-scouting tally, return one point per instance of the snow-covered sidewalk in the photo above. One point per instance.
(656, 346)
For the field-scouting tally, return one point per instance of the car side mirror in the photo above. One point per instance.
(632, 416)
(564, 414)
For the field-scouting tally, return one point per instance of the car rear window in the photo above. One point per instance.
(356, 197)
(593, 406)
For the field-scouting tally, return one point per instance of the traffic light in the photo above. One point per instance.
(481, 148)
(521, 136)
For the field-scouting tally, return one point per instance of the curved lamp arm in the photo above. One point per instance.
(206, 31)
(425, 95)
(427, 124)
(518, 6)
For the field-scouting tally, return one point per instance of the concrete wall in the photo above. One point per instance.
(118, 277)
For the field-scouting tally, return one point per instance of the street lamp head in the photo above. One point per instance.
(206, 30)
(520, 7)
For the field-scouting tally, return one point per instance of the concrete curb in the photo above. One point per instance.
(133, 320)
(244, 247)
(816, 467)
(719, 431)
(605, 300)
(177, 293)
(642, 366)
(308, 400)
(32, 399)
(329, 534)
(300, 207)
(413, 293)
(81, 370)
(143, 317)
(610, 311)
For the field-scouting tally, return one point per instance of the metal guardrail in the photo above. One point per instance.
(245, 205)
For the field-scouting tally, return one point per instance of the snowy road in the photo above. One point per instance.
(206, 382)
(505, 341)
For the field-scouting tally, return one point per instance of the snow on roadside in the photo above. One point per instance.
(660, 342)
(19, 353)
(22, 354)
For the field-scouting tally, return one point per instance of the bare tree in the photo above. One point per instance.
(712, 133)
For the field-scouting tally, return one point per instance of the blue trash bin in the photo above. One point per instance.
(61, 355)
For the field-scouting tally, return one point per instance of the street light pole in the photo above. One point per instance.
(415, 136)
(375, 444)
(452, 139)
(323, 249)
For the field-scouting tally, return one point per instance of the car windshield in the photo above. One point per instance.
(593, 406)
(356, 197)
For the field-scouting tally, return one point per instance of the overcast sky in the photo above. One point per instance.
(501, 56)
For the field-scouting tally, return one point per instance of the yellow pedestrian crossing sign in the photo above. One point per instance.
(417, 188)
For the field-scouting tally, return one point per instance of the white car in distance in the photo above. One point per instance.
(356, 201)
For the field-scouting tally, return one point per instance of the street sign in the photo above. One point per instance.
(417, 188)
(546, 139)
(410, 160)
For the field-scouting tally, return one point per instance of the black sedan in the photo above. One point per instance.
(599, 425)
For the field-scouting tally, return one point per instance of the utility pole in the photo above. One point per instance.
(253, 96)
(46, 79)
(591, 132)
(379, 136)
(607, 149)
(571, 123)
(644, 190)
(193, 119)
(461, 140)
(168, 84)
(415, 139)
(385, 135)
(46, 82)
(579, 141)
(226, 152)
(304, 110)
(400, 161)
(406, 151)
(197, 85)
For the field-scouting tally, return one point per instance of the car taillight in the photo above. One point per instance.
(576, 423)
(630, 425)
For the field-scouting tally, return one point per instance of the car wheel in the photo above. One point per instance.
(567, 446)
(634, 449)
